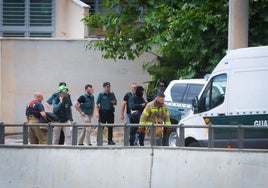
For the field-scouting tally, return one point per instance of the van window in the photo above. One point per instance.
(214, 93)
(177, 92)
(193, 90)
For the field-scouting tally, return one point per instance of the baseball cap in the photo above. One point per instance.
(106, 84)
(63, 89)
(62, 84)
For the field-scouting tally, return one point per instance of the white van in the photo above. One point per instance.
(178, 98)
(179, 95)
(235, 94)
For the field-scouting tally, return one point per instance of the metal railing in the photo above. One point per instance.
(180, 142)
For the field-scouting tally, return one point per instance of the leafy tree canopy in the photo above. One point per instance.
(187, 37)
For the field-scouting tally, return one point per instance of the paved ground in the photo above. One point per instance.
(16, 139)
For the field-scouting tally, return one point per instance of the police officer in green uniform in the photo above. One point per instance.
(105, 109)
(85, 106)
(62, 108)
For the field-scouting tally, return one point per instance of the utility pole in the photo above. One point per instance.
(238, 24)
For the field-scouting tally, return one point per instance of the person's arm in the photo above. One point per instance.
(70, 100)
(77, 107)
(49, 107)
(56, 104)
(167, 119)
(41, 110)
(97, 110)
(97, 106)
(93, 107)
(114, 101)
(123, 107)
(49, 102)
(70, 114)
(44, 115)
(145, 115)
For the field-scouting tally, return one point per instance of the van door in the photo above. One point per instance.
(213, 105)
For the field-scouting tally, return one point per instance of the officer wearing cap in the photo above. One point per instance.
(62, 108)
(53, 96)
(105, 108)
(49, 106)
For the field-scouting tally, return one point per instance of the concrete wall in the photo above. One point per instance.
(0, 80)
(30, 65)
(131, 167)
(68, 19)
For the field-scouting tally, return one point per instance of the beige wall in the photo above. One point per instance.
(68, 19)
(30, 65)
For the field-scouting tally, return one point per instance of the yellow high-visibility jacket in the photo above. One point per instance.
(154, 114)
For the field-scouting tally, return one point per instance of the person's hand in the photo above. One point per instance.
(97, 115)
(61, 99)
(122, 117)
(113, 102)
(140, 130)
(83, 114)
(168, 130)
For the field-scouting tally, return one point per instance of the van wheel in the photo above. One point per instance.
(191, 142)
(171, 139)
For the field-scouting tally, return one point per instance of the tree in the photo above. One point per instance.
(187, 37)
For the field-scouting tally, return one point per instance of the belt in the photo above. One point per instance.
(106, 111)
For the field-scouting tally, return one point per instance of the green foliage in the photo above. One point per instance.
(258, 23)
(188, 37)
(93, 21)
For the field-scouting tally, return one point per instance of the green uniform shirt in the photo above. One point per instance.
(104, 101)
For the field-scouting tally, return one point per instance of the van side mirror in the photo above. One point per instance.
(195, 105)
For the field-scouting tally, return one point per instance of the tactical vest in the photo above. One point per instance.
(31, 111)
(105, 102)
(87, 106)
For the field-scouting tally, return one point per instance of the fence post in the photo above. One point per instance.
(100, 135)
(74, 134)
(153, 135)
(240, 137)
(210, 136)
(25, 133)
(49, 134)
(181, 136)
(2, 133)
(126, 134)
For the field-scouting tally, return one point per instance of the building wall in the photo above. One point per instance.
(68, 19)
(30, 65)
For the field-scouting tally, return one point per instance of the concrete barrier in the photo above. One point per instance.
(67, 166)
